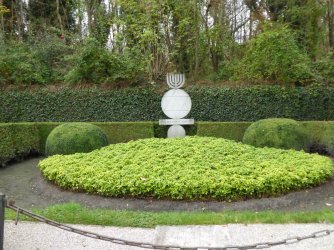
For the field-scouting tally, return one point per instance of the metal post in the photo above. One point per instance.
(2, 218)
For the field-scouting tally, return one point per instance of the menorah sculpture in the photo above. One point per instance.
(176, 104)
(175, 81)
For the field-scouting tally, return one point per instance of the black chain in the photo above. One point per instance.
(114, 240)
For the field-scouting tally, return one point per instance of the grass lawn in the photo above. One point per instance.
(76, 214)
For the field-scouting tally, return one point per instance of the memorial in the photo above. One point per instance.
(176, 105)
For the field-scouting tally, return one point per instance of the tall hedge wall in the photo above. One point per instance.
(209, 104)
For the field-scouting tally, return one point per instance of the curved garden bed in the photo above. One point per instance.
(189, 168)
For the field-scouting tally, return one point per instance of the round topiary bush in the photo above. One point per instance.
(70, 138)
(276, 133)
(187, 168)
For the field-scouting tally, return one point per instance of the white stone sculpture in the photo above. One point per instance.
(176, 104)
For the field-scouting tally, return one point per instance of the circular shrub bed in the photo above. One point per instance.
(188, 168)
(276, 133)
(70, 138)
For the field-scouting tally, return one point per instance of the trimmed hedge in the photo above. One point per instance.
(318, 133)
(91, 105)
(139, 104)
(126, 131)
(116, 131)
(44, 129)
(17, 141)
(187, 168)
(75, 137)
(228, 130)
(20, 139)
(320, 136)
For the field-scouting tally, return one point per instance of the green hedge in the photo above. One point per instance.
(126, 131)
(44, 129)
(20, 139)
(116, 131)
(17, 141)
(75, 137)
(228, 130)
(276, 133)
(135, 104)
(79, 105)
(320, 136)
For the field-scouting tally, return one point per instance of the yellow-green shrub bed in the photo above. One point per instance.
(189, 168)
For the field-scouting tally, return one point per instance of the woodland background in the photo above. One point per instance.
(122, 43)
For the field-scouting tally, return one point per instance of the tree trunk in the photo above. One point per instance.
(330, 16)
(20, 22)
(59, 16)
(2, 26)
(89, 11)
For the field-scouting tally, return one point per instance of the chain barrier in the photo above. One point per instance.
(263, 245)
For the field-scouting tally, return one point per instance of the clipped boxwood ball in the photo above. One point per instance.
(70, 138)
(276, 133)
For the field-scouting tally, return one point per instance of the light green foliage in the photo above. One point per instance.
(71, 138)
(274, 56)
(276, 133)
(189, 168)
(17, 141)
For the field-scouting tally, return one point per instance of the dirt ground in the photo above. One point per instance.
(24, 183)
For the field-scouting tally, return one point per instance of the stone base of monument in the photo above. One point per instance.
(176, 130)
(176, 122)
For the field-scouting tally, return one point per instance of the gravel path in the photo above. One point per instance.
(32, 236)
(24, 183)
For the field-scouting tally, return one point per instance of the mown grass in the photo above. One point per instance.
(76, 214)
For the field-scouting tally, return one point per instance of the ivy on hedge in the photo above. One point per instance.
(143, 104)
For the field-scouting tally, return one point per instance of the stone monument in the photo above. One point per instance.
(176, 104)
